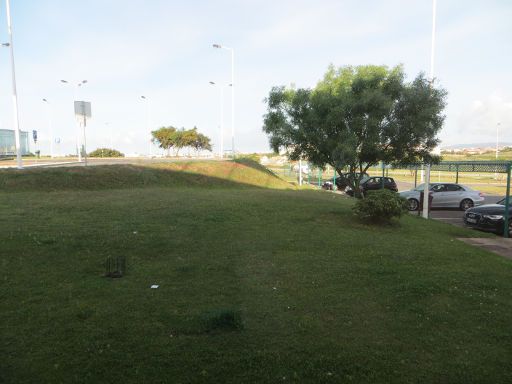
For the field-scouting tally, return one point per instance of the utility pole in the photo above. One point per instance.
(426, 190)
(19, 161)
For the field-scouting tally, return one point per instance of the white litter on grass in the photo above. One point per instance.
(154, 286)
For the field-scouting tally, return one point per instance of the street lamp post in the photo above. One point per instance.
(497, 140)
(76, 86)
(50, 126)
(148, 121)
(19, 161)
(109, 126)
(221, 118)
(232, 94)
(426, 190)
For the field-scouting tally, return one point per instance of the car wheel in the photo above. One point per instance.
(413, 204)
(466, 204)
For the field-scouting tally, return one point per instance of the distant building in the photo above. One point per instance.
(8, 143)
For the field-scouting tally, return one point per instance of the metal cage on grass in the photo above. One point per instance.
(115, 267)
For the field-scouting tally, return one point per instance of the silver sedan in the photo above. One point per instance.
(445, 195)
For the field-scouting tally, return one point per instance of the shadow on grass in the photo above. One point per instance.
(255, 165)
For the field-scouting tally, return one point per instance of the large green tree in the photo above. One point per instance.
(356, 117)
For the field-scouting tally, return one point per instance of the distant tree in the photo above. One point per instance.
(356, 117)
(185, 138)
(202, 143)
(165, 137)
(171, 138)
(106, 152)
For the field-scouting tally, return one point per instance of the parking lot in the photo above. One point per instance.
(451, 216)
(454, 216)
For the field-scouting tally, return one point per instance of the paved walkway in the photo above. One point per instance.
(498, 245)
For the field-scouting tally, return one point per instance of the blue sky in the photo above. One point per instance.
(163, 49)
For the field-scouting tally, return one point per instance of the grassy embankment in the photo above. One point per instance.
(316, 296)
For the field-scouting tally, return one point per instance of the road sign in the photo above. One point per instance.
(82, 109)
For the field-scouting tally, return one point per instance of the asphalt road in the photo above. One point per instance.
(63, 162)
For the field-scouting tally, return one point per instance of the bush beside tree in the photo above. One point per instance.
(380, 206)
(106, 152)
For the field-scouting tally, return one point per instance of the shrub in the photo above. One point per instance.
(380, 206)
(106, 152)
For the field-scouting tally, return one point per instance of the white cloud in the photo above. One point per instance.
(482, 116)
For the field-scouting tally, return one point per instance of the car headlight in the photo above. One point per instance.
(493, 217)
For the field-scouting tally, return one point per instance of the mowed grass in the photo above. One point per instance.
(255, 285)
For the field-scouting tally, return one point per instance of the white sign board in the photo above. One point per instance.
(82, 109)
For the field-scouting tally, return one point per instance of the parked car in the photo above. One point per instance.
(374, 183)
(489, 217)
(343, 181)
(445, 195)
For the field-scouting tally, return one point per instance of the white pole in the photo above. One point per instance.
(78, 125)
(85, 138)
(221, 121)
(300, 172)
(111, 139)
(50, 128)
(148, 123)
(218, 46)
(426, 189)
(432, 49)
(497, 138)
(233, 101)
(19, 161)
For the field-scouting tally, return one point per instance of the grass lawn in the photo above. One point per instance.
(319, 296)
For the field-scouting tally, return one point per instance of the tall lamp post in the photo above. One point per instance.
(218, 46)
(76, 86)
(426, 190)
(497, 139)
(50, 126)
(148, 122)
(221, 116)
(19, 161)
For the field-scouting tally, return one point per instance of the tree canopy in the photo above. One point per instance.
(106, 152)
(172, 138)
(356, 117)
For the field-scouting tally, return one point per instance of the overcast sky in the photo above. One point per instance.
(163, 49)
